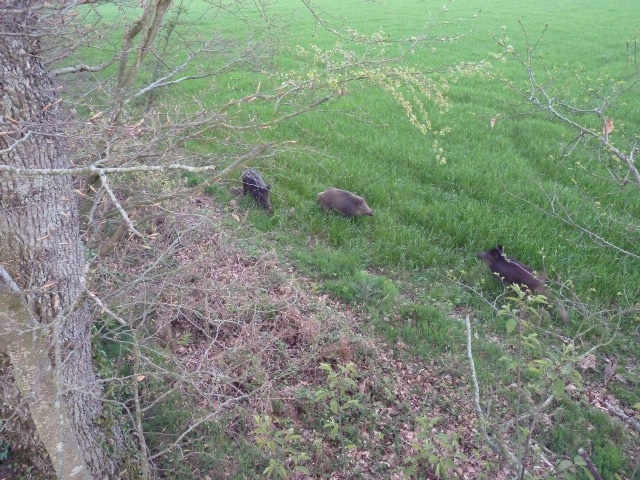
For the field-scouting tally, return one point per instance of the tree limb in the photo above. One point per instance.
(592, 468)
(28, 346)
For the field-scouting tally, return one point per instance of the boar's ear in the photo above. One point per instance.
(268, 186)
(500, 248)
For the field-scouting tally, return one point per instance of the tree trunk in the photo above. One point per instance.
(45, 327)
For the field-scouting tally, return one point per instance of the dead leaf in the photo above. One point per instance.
(587, 362)
(608, 126)
(610, 371)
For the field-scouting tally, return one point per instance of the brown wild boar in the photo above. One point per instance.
(345, 202)
(253, 182)
(511, 271)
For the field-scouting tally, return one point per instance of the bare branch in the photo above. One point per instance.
(590, 465)
(82, 68)
(28, 347)
(623, 416)
(496, 443)
(547, 97)
(93, 169)
(112, 196)
(566, 217)
(15, 144)
(194, 425)
(104, 308)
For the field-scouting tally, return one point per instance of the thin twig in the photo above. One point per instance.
(115, 201)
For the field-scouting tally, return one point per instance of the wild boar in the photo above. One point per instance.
(345, 202)
(253, 182)
(511, 271)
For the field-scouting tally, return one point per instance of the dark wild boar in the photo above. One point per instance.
(511, 271)
(253, 182)
(345, 202)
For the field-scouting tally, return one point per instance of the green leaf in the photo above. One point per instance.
(564, 465)
(558, 387)
(523, 434)
(321, 394)
(512, 323)
(326, 367)
(351, 403)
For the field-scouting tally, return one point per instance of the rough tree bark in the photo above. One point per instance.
(45, 321)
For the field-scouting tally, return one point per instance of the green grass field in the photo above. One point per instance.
(415, 260)
(437, 217)
(431, 217)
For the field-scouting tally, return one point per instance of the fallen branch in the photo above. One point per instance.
(496, 445)
(592, 468)
(623, 416)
